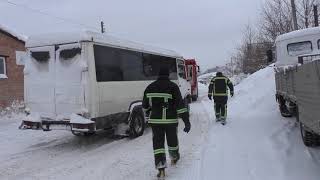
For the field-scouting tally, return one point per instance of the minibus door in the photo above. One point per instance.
(69, 80)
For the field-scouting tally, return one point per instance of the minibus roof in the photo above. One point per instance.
(85, 36)
(299, 33)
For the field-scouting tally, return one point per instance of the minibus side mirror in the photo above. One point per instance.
(269, 54)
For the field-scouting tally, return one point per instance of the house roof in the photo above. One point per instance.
(13, 33)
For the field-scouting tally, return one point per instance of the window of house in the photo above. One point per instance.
(296, 49)
(3, 73)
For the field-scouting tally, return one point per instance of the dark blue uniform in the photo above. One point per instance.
(163, 99)
(218, 90)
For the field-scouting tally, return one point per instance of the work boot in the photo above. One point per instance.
(161, 174)
(174, 161)
(223, 121)
(218, 119)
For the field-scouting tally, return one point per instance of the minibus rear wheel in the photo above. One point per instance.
(137, 123)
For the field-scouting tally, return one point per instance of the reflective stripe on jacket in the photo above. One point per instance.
(164, 99)
(219, 86)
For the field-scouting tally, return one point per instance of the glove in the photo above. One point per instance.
(187, 126)
(231, 94)
(209, 96)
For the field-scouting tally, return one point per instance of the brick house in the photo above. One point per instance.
(11, 74)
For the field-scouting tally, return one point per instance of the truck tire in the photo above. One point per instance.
(137, 123)
(309, 138)
(194, 97)
(284, 111)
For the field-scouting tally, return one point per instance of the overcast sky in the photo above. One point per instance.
(205, 29)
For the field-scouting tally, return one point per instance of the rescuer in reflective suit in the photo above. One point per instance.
(163, 99)
(218, 90)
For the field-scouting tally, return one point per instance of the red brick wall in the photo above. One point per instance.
(11, 88)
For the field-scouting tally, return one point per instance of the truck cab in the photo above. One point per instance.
(192, 77)
(297, 80)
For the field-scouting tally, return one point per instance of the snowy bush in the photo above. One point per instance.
(16, 107)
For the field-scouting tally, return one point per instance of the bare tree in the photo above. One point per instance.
(304, 11)
(276, 19)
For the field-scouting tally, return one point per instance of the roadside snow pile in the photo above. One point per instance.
(257, 87)
(236, 79)
(256, 143)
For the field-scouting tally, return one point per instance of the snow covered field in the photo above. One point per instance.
(257, 143)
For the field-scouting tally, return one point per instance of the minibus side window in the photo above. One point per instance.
(299, 48)
(318, 44)
(114, 64)
(108, 64)
(152, 64)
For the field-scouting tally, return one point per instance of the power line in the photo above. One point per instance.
(50, 15)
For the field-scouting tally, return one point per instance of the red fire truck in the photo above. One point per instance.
(192, 71)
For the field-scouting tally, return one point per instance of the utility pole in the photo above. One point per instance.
(102, 27)
(316, 16)
(294, 15)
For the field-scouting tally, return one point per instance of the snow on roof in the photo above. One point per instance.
(73, 37)
(299, 33)
(13, 33)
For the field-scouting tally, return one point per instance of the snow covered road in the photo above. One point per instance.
(60, 155)
(256, 144)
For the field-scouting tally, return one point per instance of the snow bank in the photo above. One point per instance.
(256, 143)
(236, 79)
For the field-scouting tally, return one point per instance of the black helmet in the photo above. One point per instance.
(219, 73)
(164, 72)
